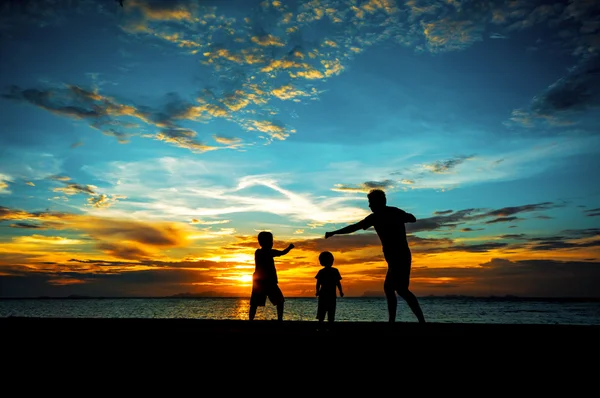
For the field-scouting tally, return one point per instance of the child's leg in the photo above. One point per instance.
(276, 297)
(320, 312)
(331, 312)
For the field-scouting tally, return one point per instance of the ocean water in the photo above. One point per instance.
(436, 309)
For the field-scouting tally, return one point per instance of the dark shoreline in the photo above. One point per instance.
(265, 347)
(241, 328)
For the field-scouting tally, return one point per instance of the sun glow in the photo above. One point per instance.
(246, 278)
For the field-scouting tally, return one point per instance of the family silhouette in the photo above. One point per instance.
(389, 224)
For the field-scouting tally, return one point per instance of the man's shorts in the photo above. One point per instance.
(398, 274)
(261, 291)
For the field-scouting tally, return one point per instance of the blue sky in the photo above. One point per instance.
(144, 146)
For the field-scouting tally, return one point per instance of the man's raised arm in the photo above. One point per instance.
(408, 217)
(346, 230)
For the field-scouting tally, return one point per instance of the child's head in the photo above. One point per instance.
(265, 239)
(326, 259)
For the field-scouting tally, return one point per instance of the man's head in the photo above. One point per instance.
(326, 259)
(377, 199)
(265, 239)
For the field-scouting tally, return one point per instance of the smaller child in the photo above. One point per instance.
(328, 279)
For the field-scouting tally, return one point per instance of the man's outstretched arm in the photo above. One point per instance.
(408, 217)
(346, 230)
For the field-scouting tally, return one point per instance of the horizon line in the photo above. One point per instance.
(198, 296)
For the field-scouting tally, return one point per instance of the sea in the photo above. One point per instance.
(497, 310)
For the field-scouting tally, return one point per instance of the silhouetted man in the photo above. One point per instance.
(389, 223)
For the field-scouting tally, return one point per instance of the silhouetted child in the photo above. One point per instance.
(328, 280)
(264, 280)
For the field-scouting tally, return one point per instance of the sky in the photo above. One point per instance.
(144, 145)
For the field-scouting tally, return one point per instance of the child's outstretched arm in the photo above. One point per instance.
(277, 253)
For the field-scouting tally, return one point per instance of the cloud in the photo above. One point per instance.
(163, 11)
(450, 34)
(103, 201)
(511, 210)
(114, 236)
(125, 251)
(442, 212)
(578, 90)
(472, 215)
(365, 186)
(4, 187)
(206, 222)
(105, 282)
(72, 189)
(567, 99)
(103, 113)
(59, 178)
(544, 278)
(97, 200)
(446, 166)
(51, 240)
(592, 212)
(26, 225)
(135, 246)
(503, 219)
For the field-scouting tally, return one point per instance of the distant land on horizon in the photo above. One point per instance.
(215, 295)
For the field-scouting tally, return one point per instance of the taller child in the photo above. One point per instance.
(264, 279)
(389, 223)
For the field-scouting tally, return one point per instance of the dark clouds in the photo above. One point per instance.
(525, 278)
(156, 283)
(593, 212)
(578, 91)
(476, 215)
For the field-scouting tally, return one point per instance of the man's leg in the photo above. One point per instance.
(397, 281)
(413, 303)
(252, 313)
(280, 311)
(392, 301)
